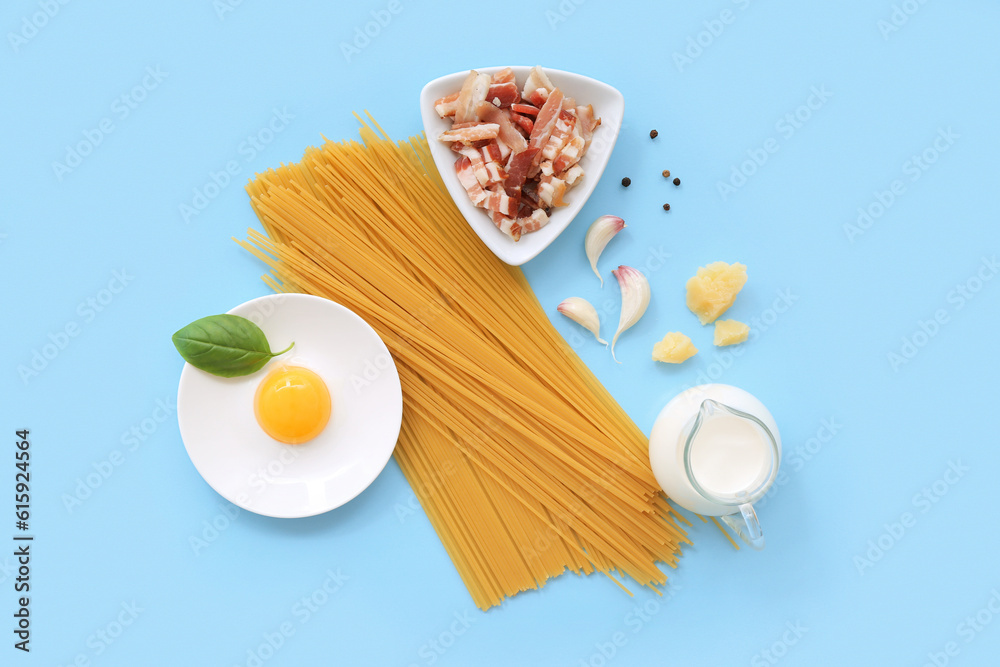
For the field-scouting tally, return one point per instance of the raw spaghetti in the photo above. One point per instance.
(523, 462)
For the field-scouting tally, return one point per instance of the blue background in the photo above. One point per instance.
(855, 297)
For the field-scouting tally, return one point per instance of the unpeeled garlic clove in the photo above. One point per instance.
(600, 233)
(583, 313)
(635, 299)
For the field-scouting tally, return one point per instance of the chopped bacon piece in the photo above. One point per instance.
(495, 173)
(504, 150)
(475, 159)
(502, 94)
(546, 120)
(560, 133)
(470, 134)
(586, 116)
(538, 219)
(491, 152)
(523, 122)
(517, 168)
(463, 169)
(484, 162)
(507, 225)
(570, 154)
(525, 109)
(446, 105)
(473, 92)
(587, 124)
(506, 131)
(529, 193)
(573, 175)
(537, 79)
(506, 75)
(537, 97)
(500, 202)
(551, 191)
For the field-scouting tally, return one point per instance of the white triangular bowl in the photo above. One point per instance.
(609, 106)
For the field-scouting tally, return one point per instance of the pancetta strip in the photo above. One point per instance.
(481, 132)
(536, 79)
(473, 92)
(502, 95)
(463, 169)
(505, 131)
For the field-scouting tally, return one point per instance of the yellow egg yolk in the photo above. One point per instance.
(292, 404)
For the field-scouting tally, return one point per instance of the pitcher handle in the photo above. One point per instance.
(749, 528)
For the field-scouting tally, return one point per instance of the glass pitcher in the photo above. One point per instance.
(715, 450)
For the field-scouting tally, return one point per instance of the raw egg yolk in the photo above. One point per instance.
(292, 404)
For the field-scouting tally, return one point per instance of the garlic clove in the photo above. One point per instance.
(583, 313)
(600, 233)
(635, 299)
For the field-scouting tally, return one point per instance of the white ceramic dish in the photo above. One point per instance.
(609, 106)
(250, 469)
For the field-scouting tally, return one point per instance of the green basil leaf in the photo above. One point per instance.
(225, 345)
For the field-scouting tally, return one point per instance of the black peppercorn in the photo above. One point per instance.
(677, 181)
(626, 181)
